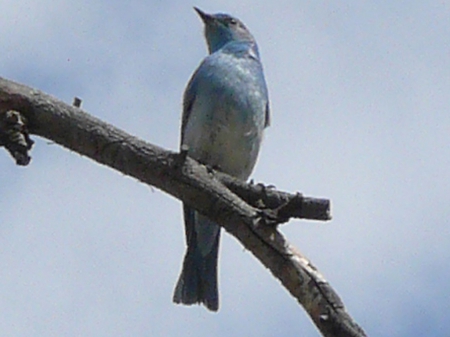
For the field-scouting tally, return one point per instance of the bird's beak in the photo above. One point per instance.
(206, 18)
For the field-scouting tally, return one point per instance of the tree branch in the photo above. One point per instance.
(251, 221)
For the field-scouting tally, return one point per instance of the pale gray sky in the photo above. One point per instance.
(360, 114)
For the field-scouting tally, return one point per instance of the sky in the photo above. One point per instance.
(360, 115)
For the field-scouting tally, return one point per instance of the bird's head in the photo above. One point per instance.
(223, 28)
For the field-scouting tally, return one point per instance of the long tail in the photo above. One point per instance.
(198, 279)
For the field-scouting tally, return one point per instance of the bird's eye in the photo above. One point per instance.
(232, 21)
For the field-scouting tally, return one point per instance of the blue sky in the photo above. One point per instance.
(360, 114)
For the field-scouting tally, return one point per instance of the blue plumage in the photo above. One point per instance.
(225, 111)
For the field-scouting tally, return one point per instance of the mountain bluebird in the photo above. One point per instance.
(225, 111)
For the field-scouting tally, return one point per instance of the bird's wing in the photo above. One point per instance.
(188, 101)
(267, 120)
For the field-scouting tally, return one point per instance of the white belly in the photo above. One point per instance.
(227, 140)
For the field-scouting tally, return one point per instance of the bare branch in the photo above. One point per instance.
(195, 185)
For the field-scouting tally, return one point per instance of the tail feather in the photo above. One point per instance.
(198, 280)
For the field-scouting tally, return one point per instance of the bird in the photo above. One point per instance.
(225, 112)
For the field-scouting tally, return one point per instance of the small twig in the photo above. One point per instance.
(285, 205)
(14, 136)
(77, 102)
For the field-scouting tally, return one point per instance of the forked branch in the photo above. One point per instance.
(249, 212)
